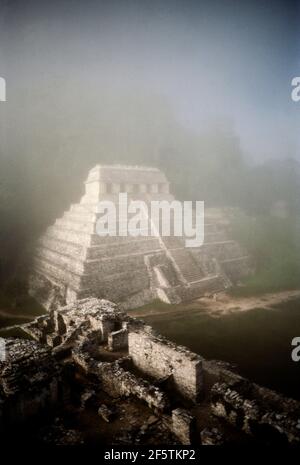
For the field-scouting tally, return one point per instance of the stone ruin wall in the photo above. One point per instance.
(116, 379)
(247, 407)
(151, 354)
(30, 383)
(136, 362)
(162, 359)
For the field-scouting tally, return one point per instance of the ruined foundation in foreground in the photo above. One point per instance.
(93, 374)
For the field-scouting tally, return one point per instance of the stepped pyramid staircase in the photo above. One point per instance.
(72, 261)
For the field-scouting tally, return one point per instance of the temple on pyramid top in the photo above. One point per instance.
(72, 261)
(103, 181)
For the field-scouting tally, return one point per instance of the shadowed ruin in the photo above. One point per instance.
(72, 261)
(90, 359)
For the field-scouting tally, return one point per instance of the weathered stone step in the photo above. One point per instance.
(146, 245)
(105, 266)
(210, 284)
(108, 266)
(76, 237)
(97, 240)
(168, 295)
(80, 208)
(87, 239)
(187, 265)
(88, 216)
(97, 284)
(76, 225)
(86, 225)
(57, 274)
(65, 261)
(63, 247)
(128, 284)
(87, 205)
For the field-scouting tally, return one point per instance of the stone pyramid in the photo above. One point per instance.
(72, 261)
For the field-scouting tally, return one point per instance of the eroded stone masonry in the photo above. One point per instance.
(73, 262)
(92, 374)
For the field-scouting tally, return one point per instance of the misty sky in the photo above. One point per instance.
(227, 63)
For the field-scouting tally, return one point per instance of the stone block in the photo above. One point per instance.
(184, 426)
(118, 340)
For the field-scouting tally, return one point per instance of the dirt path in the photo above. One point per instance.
(221, 304)
(6, 314)
(225, 304)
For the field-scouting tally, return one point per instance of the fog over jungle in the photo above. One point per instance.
(91, 75)
(201, 89)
